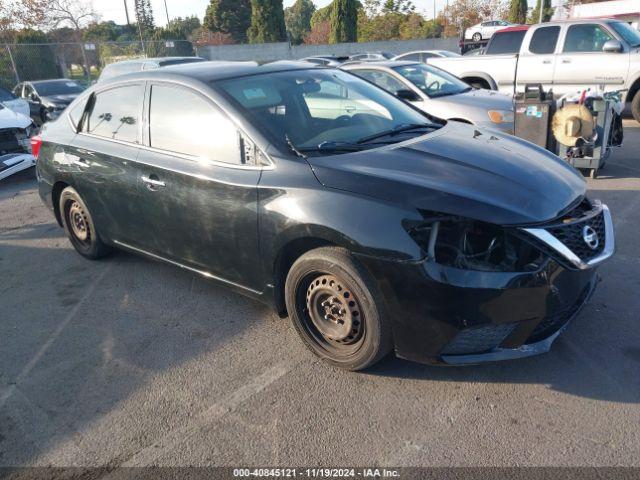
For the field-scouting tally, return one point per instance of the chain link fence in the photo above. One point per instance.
(83, 62)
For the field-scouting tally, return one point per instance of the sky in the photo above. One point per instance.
(114, 9)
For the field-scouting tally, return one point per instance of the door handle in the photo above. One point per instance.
(153, 183)
(546, 62)
(350, 108)
(566, 60)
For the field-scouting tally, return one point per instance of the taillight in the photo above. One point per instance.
(36, 143)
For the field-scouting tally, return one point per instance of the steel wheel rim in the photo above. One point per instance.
(79, 223)
(331, 313)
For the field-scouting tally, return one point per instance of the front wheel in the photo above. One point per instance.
(477, 37)
(79, 225)
(635, 106)
(335, 308)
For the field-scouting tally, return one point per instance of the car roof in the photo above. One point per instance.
(214, 70)
(40, 82)
(151, 59)
(386, 64)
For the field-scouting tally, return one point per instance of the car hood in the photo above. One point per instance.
(460, 170)
(484, 99)
(11, 119)
(59, 99)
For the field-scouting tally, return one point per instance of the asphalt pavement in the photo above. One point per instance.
(128, 361)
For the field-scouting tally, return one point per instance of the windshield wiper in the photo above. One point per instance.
(334, 147)
(406, 127)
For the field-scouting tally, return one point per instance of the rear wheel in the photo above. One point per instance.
(635, 106)
(78, 223)
(477, 37)
(335, 308)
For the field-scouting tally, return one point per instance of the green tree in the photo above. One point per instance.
(297, 19)
(344, 21)
(547, 12)
(144, 16)
(398, 6)
(322, 15)
(231, 17)
(267, 22)
(518, 11)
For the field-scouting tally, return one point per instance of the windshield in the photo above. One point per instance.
(432, 81)
(627, 32)
(305, 109)
(58, 87)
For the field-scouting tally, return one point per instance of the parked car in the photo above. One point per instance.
(484, 30)
(373, 231)
(564, 56)
(424, 55)
(326, 60)
(13, 102)
(15, 143)
(129, 66)
(370, 57)
(473, 53)
(439, 93)
(48, 98)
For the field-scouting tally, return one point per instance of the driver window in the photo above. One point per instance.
(586, 38)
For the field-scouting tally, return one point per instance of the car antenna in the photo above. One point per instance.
(293, 147)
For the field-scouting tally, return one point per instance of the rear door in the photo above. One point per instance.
(581, 62)
(537, 63)
(198, 191)
(104, 155)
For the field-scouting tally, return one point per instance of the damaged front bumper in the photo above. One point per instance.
(445, 315)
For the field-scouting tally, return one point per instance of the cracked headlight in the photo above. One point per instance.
(472, 245)
(500, 116)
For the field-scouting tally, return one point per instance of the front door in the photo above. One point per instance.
(583, 64)
(198, 198)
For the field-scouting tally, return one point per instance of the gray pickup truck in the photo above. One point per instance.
(566, 56)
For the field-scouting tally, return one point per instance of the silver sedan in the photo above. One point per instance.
(439, 93)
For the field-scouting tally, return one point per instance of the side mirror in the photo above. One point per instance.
(612, 46)
(34, 97)
(408, 95)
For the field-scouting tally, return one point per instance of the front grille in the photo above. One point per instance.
(9, 141)
(572, 235)
(551, 324)
(478, 339)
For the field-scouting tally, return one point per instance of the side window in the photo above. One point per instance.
(383, 80)
(175, 113)
(585, 38)
(414, 57)
(507, 42)
(544, 40)
(116, 113)
(426, 55)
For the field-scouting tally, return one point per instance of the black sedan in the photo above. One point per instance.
(48, 98)
(373, 226)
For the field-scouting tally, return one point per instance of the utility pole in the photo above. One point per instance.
(126, 12)
(541, 8)
(166, 11)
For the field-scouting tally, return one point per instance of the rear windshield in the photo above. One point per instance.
(506, 42)
(58, 87)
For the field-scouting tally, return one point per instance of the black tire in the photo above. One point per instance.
(635, 106)
(477, 37)
(79, 225)
(357, 334)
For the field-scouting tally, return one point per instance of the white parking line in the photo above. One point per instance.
(168, 443)
(7, 393)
